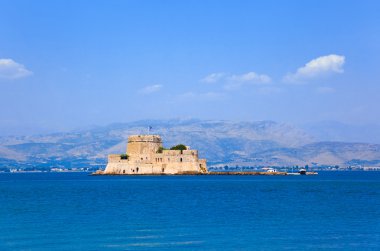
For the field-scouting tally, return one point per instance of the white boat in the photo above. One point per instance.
(302, 171)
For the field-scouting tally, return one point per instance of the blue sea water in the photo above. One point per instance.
(75, 211)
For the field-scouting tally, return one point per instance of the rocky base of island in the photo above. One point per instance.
(100, 172)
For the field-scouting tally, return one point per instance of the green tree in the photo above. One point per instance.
(124, 156)
(179, 147)
(161, 149)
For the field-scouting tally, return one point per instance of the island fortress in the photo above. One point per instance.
(145, 155)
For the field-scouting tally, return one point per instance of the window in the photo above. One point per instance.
(137, 169)
(180, 159)
(163, 169)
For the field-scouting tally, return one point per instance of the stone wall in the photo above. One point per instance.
(144, 159)
(143, 144)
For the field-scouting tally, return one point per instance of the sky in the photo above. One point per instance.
(72, 64)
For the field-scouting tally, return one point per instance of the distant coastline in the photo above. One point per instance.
(212, 169)
(236, 146)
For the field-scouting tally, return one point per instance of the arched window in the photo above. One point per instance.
(180, 159)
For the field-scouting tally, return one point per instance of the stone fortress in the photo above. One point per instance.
(145, 155)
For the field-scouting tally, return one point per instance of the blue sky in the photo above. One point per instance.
(70, 64)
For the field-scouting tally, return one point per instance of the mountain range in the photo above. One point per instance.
(259, 143)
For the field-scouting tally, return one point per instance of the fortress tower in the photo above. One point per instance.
(143, 157)
(143, 146)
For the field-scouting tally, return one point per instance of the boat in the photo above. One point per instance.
(271, 170)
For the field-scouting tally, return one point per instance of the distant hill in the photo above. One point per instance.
(221, 142)
(337, 131)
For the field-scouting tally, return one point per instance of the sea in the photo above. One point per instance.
(76, 211)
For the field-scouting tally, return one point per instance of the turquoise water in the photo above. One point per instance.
(74, 211)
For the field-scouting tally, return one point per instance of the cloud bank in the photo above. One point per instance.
(10, 69)
(235, 81)
(251, 77)
(150, 89)
(318, 67)
(213, 77)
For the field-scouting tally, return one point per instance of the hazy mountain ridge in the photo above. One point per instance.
(221, 142)
(337, 131)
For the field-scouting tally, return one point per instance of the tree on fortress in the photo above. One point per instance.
(161, 149)
(124, 156)
(179, 147)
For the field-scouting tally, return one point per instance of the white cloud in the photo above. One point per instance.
(213, 77)
(10, 69)
(250, 78)
(150, 89)
(321, 66)
(235, 81)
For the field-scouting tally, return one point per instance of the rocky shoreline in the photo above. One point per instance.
(99, 172)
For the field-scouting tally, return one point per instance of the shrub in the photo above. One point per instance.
(161, 149)
(124, 156)
(179, 147)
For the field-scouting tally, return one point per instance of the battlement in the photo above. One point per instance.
(143, 144)
(144, 138)
(179, 152)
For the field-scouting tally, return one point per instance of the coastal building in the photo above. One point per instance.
(146, 155)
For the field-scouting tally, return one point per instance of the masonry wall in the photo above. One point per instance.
(144, 159)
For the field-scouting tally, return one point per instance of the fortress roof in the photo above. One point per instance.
(145, 138)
